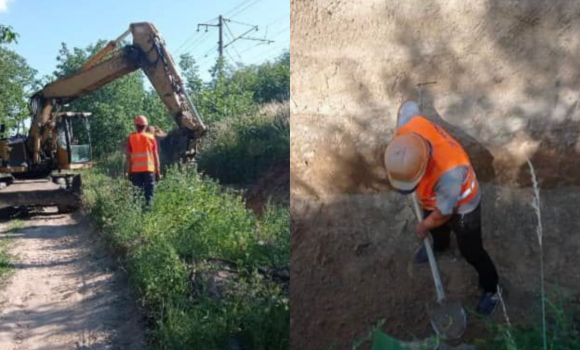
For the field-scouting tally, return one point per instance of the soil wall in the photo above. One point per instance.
(506, 85)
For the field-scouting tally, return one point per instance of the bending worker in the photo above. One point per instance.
(423, 157)
(143, 159)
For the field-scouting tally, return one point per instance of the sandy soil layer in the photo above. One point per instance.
(64, 292)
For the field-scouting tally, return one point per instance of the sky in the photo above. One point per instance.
(42, 25)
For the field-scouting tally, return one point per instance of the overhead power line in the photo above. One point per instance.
(242, 23)
(191, 36)
(197, 42)
(287, 15)
(236, 7)
(230, 56)
(208, 52)
(187, 40)
(222, 22)
(281, 32)
(245, 8)
(251, 48)
(270, 49)
(232, 37)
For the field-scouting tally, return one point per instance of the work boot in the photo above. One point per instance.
(421, 256)
(487, 303)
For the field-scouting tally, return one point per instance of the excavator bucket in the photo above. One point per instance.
(63, 192)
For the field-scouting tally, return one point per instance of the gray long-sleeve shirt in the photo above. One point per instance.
(448, 187)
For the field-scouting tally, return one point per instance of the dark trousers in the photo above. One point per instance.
(145, 182)
(467, 229)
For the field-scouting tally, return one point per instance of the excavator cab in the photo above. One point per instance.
(65, 145)
(73, 140)
(65, 148)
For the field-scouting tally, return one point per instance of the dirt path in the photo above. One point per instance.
(64, 293)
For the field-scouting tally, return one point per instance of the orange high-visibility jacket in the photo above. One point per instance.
(142, 147)
(447, 154)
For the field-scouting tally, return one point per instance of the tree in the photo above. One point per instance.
(113, 106)
(190, 72)
(7, 35)
(221, 97)
(274, 80)
(237, 91)
(268, 82)
(156, 111)
(17, 82)
(231, 93)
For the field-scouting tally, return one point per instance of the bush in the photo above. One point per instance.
(238, 150)
(192, 220)
(562, 332)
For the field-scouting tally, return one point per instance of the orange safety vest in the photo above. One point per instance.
(447, 154)
(142, 148)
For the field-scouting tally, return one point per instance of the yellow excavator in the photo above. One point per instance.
(55, 146)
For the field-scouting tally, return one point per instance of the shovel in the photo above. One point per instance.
(447, 316)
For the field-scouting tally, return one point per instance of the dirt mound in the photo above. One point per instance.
(273, 186)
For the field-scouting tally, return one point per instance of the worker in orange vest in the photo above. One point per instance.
(143, 159)
(423, 157)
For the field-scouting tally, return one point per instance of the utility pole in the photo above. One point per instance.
(223, 22)
(220, 26)
(221, 42)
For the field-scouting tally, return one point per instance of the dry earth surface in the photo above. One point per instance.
(65, 291)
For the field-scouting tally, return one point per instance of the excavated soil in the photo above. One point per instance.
(352, 266)
(507, 87)
(64, 291)
(272, 187)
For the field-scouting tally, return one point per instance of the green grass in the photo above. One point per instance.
(15, 226)
(192, 220)
(557, 328)
(561, 332)
(5, 257)
(238, 150)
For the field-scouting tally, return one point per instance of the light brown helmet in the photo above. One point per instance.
(406, 159)
(140, 120)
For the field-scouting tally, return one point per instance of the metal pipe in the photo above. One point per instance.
(432, 261)
(194, 109)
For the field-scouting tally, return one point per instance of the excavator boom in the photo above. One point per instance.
(149, 53)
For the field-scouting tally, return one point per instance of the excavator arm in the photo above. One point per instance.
(147, 52)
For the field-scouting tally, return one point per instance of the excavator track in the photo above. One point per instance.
(63, 193)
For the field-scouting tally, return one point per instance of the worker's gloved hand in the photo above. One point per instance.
(422, 230)
(157, 176)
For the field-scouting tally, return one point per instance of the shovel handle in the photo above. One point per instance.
(432, 261)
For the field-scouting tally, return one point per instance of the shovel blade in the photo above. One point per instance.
(448, 318)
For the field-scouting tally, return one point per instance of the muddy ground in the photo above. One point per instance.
(507, 87)
(65, 291)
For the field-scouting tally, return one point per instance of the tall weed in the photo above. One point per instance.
(558, 330)
(238, 150)
(191, 220)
